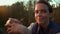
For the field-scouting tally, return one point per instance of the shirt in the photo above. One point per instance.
(52, 28)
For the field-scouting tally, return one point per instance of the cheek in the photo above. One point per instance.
(45, 15)
(36, 16)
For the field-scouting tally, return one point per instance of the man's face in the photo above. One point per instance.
(41, 13)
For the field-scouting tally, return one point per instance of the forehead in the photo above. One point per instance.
(41, 6)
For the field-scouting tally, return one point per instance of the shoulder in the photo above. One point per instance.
(31, 26)
(55, 26)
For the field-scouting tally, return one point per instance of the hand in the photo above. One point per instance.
(14, 27)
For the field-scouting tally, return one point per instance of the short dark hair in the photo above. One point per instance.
(45, 2)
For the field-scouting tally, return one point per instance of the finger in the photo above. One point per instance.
(8, 29)
(11, 30)
(8, 23)
(15, 20)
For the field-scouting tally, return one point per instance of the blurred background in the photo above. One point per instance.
(23, 10)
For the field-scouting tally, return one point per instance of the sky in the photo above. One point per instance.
(10, 2)
(56, 1)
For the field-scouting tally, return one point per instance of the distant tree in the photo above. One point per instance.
(17, 10)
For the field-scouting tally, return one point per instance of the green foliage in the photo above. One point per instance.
(17, 11)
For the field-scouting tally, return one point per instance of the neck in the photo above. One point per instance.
(44, 25)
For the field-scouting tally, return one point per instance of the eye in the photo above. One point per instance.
(36, 11)
(43, 11)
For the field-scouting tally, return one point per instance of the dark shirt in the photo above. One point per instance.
(52, 28)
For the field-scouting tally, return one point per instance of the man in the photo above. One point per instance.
(43, 23)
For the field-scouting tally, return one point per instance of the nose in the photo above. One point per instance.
(39, 14)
